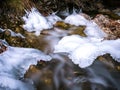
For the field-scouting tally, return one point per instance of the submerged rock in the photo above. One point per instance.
(62, 25)
(64, 75)
(71, 29)
(108, 61)
(57, 75)
(41, 76)
(78, 31)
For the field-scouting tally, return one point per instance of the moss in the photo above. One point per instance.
(79, 31)
(62, 25)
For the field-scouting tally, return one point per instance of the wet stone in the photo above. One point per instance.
(14, 39)
(78, 30)
(7, 33)
(62, 25)
(109, 62)
(56, 75)
(3, 47)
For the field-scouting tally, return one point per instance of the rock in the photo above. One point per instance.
(109, 62)
(39, 42)
(14, 39)
(78, 30)
(11, 11)
(41, 75)
(110, 26)
(3, 47)
(52, 75)
(62, 25)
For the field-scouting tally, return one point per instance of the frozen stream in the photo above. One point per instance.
(82, 51)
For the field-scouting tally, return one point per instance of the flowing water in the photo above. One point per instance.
(68, 73)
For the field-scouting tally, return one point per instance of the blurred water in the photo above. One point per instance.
(99, 74)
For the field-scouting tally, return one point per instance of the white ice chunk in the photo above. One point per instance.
(91, 30)
(112, 47)
(53, 18)
(34, 21)
(76, 19)
(13, 64)
(68, 44)
(22, 57)
(83, 51)
(8, 83)
(84, 55)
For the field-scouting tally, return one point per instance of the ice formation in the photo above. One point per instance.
(13, 64)
(92, 29)
(12, 33)
(34, 21)
(76, 19)
(84, 50)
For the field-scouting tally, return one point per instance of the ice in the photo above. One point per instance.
(34, 21)
(53, 18)
(76, 19)
(83, 51)
(112, 47)
(12, 33)
(84, 55)
(8, 83)
(68, 44)
(22, 57)
(92, 29)
(13, 64)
